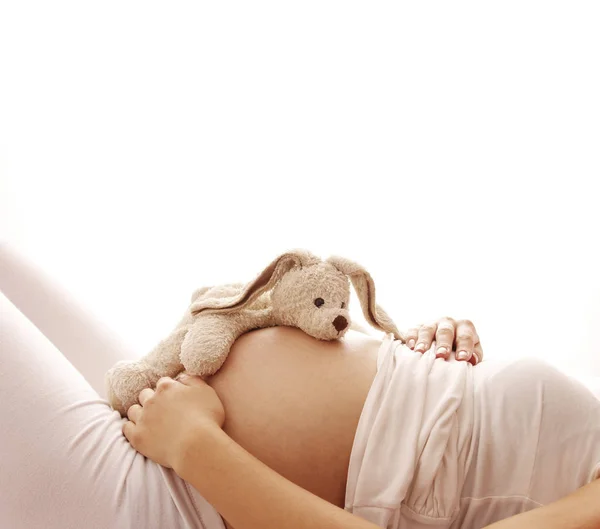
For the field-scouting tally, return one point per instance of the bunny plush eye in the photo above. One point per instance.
(343, 304)
(319, 302)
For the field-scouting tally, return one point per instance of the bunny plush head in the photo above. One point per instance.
(306, 292)
(314, 298)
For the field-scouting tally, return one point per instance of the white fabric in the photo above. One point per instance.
(443, 444)
(64, 462)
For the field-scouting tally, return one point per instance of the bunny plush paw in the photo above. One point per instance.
(125, 380)
(207, 344)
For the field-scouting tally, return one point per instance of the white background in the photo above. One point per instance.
(452, 148)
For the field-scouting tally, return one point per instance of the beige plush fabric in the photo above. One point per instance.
(297, 289)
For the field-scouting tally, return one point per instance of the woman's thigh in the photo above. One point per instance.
(70, 325)
(294, 402)
(64, 462)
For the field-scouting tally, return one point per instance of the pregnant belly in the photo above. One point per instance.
(294, 402)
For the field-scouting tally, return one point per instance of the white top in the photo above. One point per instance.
(441, 443)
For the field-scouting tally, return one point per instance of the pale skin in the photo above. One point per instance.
(267, 440)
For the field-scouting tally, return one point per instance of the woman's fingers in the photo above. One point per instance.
(425, 337)
(411, 337)
(144, 395)
(466, 339)
(134, 413)
(444, 337)
(477, 354)
(129, 430)
(449, 335)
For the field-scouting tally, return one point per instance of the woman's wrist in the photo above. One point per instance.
(202, 438)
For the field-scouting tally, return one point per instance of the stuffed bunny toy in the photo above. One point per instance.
(297, 289)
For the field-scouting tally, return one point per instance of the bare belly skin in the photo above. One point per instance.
(294, 402)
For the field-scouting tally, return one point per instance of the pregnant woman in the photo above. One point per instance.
(292, 432)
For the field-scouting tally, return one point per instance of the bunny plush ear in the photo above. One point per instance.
(265, 281)
(365, 289)
(198, 292)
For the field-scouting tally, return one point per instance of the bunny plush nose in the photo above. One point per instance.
(340, 323)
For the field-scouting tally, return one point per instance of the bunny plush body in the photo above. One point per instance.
(297, 289)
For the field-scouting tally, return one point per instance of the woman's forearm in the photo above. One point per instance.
(249, 494)
(579, 510)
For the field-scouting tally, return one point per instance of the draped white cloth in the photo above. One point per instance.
(444, 444)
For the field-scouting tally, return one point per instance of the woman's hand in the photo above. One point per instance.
(449, 335)
(174, 414)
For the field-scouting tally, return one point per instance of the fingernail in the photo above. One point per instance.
(183, 376)
(441, 350)
(411, 343)
(462, 355)
(420, 346)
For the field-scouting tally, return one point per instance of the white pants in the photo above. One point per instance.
(443, 444)
(64, 462)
